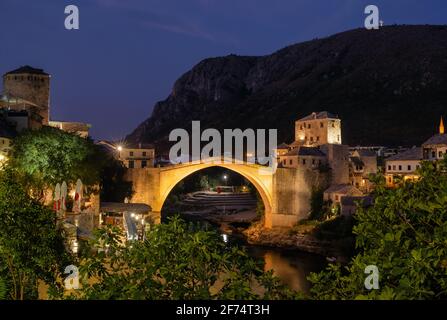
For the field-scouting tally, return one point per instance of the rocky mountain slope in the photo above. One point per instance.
(389, 86)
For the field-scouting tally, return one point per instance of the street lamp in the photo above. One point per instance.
(225, 177)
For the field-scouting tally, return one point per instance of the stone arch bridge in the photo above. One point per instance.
(285, 191)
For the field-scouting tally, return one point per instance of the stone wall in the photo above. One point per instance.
(31, 87)
(292, 188)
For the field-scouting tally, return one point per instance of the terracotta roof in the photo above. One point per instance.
(319, 115)
(439, 139)
(28, 70)
(414, 153)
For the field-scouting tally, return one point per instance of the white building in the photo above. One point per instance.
(133, 156)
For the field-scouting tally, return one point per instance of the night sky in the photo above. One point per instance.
(128, 53)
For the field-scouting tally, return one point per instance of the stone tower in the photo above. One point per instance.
(318, 128)
(32, 85)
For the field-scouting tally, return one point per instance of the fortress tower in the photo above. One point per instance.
(29, 84)
(318, 129)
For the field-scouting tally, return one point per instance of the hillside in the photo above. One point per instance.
(389, 86)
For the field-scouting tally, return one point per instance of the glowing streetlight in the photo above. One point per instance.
(119, 148)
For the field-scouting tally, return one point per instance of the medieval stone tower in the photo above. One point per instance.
(29, 84)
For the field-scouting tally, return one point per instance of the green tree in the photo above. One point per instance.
(176, 261)
(404, 234)
(48, 156)
(32, 248)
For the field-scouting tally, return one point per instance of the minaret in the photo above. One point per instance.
(441, 126)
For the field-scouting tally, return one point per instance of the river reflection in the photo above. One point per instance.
(291, 266)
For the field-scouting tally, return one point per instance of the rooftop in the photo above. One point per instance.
(414, 153)
(283, 146)
(343, 189)
(319, 115)
(357, 161)
(306, 151)
(366, 153)
(438, 139)
(27, 70)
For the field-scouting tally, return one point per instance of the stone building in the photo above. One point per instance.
(404, 165)
(318, 142)
(306, 157)
(79, 128)
(318, 129)
(362, 164)
(32, 85)
(335, 193)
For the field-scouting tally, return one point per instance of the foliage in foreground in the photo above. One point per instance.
(31, 245)
(405, 235)
(48, 156)
(176, 261)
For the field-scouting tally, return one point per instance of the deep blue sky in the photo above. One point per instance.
(128, 53)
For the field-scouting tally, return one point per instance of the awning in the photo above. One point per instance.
(124, 207)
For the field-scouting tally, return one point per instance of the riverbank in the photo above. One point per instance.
(286, 238)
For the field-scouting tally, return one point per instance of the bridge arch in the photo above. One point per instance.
(171, 176)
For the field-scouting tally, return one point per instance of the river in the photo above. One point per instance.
(291, 266)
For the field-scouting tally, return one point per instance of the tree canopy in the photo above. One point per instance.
(176, 261)
(49, 156)
(404, 234)
(32, 246)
